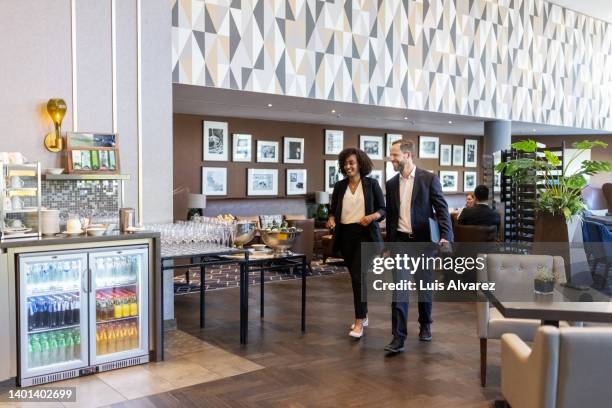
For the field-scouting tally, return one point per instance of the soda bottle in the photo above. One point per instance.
(101, 340)
(45, 358)
(125, 305)
(35, 360)
(76, 309)
(61, 347)
(133, 305)
(52, 348)
(76, 336)
(134, 335)
(52, 311)
(31, 314)
(31, 353)
(69, 346)
(112, 339)
(118, 310)
(42, 313)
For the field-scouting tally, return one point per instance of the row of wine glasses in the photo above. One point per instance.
(207, 232)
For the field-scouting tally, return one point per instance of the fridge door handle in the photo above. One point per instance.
(89, 273)
(84, 274)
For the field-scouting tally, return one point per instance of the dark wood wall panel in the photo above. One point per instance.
(188, 155)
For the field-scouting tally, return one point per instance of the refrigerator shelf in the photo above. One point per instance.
(119, 285)
(54, 292)
(36, 331)
(116, 320)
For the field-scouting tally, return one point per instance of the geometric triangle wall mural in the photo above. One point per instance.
(521, 60)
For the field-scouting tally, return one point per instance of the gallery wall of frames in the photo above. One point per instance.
(226, 157)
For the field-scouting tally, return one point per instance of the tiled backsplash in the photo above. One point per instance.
(84, 197)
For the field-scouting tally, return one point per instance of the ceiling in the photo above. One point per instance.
(601, 9)
(200, 100)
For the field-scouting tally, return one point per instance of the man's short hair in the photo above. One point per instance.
(481, 192)
(405, 146)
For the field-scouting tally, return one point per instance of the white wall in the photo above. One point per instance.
(37, 65)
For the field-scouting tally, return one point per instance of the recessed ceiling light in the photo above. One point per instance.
(405, 117)
(333, 111)
(450, 122)
(269, 105)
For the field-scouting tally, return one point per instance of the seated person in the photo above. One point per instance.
(470, 200)
(480, 213)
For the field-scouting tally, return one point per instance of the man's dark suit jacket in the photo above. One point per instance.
(374, 201)
(426, 197)
(480, 214)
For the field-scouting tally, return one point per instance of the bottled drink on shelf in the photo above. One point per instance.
(117, 337)
(53, 276)
(48, 312)
(117, 303)
(53, 347)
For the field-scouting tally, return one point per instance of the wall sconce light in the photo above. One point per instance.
(56, 109)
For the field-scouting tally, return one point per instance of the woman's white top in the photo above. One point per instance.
(353, 206)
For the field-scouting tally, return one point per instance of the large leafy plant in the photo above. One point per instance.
(559, 192)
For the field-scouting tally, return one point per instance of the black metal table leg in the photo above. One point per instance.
(261, 293)
(244, 302)
(202, 287)
(303, 294)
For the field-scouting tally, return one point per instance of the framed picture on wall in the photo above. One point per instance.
(215, 141)
(334, 141)
(458, 155)
(241, 147)
(293, 150)
(214, 181)
(332, 175)
(389, 171)
(267, 151)
(378, 176)
(296, 181)
(429, 147)
(391, 137)
(471, 152)
(262, 182)
(372, 145)
(469, 180)
(449, 180)
(446, 155)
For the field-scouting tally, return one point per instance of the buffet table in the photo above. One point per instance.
(205, 255)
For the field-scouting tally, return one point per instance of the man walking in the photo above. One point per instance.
(412, 197)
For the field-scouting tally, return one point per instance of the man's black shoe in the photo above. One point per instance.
(395, 346)
(425, 332)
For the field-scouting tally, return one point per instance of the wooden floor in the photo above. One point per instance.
(326, 368)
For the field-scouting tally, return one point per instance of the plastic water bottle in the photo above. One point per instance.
(36, 352)
(61, 347)
(45, 358)
(53, 352)
(69, 346)
(76, 336)
(31, 352)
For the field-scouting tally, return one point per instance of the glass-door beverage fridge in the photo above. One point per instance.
(82, 312)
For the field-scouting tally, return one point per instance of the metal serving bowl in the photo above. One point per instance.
(279, 241)
(244, 231)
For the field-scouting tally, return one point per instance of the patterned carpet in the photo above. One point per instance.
(227, 276)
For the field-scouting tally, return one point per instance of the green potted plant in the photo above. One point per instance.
(559, 198)
(544, 281)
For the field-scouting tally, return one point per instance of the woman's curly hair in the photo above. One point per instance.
(363, 161)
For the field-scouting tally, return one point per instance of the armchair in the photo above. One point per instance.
(566, 367)
(510, 268)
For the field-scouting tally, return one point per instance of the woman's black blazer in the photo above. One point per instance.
(374, 201)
